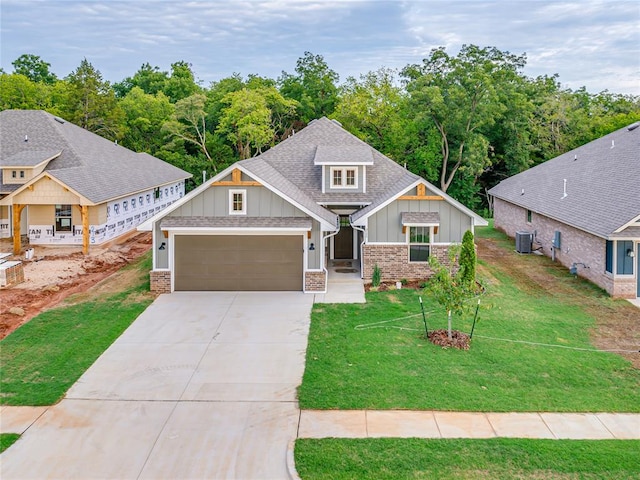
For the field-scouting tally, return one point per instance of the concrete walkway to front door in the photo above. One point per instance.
(344, 284)
(202, 385)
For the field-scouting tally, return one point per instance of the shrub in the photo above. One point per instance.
(377, 274)
(468, 261)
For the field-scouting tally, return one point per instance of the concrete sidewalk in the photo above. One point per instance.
(344, 284)
(435, 424)
(201, 385)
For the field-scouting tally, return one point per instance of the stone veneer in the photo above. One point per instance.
(576, 246)
(160, 281)
(393, 261)
(315, 282)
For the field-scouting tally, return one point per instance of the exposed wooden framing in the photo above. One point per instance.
(17, 212)
(421, 194)
(84, 210)
(236, 181)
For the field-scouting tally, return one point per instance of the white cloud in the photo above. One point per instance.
(592, 43)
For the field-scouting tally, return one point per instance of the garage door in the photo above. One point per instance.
(229, 262)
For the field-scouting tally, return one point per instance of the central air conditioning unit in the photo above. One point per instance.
(524, 242)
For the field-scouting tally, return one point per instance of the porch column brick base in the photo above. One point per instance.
(315, 281)
(160, 281)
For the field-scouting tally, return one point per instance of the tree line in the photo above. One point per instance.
(463, 122)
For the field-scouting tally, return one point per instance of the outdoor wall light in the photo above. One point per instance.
(630, 253)
(312, 246)
(162, 246)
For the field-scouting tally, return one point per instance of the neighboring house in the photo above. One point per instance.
(273, 222)
(63, 185)
(583, 209)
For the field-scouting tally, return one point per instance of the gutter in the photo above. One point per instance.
(364, 239)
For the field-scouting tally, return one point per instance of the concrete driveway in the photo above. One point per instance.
(202, 385)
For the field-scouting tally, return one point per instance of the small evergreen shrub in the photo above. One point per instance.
(377, 274)
(468, 261)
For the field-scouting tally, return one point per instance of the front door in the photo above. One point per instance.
(343, 241)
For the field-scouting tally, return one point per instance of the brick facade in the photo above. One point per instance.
(576, 246)
(393, 261)
(315, 281)
(160, 281)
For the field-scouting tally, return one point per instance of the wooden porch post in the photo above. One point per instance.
(17, 212)
(85, 228)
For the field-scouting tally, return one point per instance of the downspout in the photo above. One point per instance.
(324, 265)
(364, 239)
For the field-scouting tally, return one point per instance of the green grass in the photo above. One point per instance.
(7, 439)
(44, 357)
(498, 458)
(391, 368)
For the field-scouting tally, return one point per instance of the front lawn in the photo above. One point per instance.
(354, 362)
(44, 357)
(379, 458)
(7, 439)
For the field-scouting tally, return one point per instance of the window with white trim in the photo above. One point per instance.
(63, 218)
(419, 244)
(237, 202)
(342, 177)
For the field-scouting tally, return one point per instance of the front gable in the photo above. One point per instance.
(45, 190)
(217, 200)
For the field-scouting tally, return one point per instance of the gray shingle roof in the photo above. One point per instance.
(603, 184)
(94, 167)
(28, 158)
(293, 160)
(348, 155)
(418, 218)
(290, 168)
(237, 222)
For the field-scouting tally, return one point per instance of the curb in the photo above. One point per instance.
(291, 463)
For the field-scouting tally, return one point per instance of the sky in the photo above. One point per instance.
(588, 43)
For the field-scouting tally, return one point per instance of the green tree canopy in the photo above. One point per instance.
(149, 79)
(461, 97)
(90, 102)
(373, 108)
(314, 87)
(252, 118)
(34, 68)
(144, 116)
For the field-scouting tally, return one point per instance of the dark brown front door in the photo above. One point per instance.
(235, 262)
(343, 243)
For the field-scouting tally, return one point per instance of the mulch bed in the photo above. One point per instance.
(458, 340)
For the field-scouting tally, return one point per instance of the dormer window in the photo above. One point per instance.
(14, 174)
(344, 177)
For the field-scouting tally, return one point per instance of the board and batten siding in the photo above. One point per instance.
(261, 202)
(385, 226)
(327, 178)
